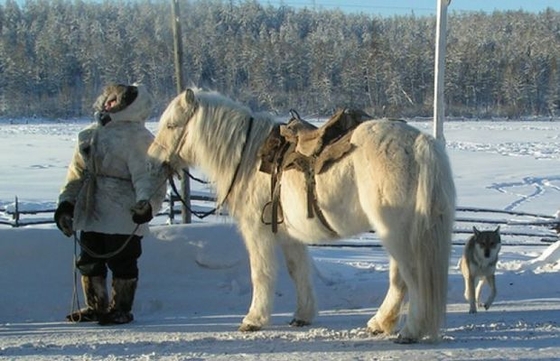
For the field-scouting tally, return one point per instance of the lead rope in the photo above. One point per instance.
(75, 298)
(105, 255)
(75, 301)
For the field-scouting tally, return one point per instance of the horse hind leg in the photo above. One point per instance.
(401, 283)
(424, 269)
(410, 274)
(298, 263)
(388, 314)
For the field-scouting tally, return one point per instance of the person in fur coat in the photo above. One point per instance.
(108, 165)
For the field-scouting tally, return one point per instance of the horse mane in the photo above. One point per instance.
(221, 125)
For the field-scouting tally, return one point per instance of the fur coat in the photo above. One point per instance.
(108, 165)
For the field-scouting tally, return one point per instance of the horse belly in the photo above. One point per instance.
(337, 199)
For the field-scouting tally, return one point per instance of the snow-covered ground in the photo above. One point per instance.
(195, 287)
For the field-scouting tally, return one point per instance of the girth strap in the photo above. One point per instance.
(312, 202)
(275, 185)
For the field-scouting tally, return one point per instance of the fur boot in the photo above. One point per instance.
(121, 302)
(96, 299)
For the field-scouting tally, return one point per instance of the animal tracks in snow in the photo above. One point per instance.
(538, 140)
(528, 189)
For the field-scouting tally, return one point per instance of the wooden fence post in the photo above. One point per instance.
(16, 213)
(176, 24)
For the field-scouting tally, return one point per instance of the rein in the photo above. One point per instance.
(197, 214)
(202, 215)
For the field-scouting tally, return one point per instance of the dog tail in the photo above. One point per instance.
(432, 231)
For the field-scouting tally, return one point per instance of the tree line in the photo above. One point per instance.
(56, 55)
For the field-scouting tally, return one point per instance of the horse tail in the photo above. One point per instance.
(432, 230)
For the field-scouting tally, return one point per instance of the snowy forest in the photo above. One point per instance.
(55, 56)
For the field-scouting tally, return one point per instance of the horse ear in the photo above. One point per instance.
(189, 96)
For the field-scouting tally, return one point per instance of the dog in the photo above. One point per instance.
(479, 262)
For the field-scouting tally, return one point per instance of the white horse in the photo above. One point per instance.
(397, 180)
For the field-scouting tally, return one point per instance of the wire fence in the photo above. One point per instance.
(516, 228)
(21, 214)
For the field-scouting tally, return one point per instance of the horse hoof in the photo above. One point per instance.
(299, 323)
(249, 328)
(402, 340)
(374, 332)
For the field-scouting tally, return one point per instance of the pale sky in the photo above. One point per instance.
(419, 7)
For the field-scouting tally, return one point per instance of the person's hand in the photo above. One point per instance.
(142, 212)
(65, 224)
(63, 216)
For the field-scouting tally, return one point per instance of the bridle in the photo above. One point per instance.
(180, 140)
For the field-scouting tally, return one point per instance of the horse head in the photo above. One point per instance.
(172, 134)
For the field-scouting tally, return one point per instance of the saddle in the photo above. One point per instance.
(302, 146)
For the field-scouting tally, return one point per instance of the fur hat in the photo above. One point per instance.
(129, 103)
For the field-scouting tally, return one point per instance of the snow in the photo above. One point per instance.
(194, 279)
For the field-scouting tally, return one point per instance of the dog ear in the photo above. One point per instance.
(497, 230)
(476, 231)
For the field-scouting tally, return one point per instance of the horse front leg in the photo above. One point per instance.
(299, 264)
(387, 316)
(263, 265)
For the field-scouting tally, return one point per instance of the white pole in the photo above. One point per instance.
(439, 71)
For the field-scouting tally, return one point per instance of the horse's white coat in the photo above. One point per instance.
(397, 181)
